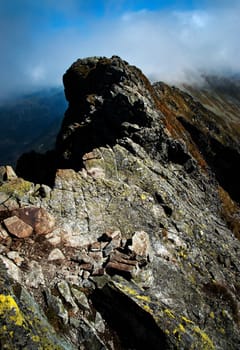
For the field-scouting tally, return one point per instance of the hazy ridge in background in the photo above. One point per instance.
(30, 122)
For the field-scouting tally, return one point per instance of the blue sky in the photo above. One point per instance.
(100, 9)
(169, 40)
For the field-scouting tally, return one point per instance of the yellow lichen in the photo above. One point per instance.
(224, 313)
(143, 197)
(208, 344)
(177, 331)
(186, 320)
(203, 342)
(169, 313)
(9, 308)
(183, 254)
(36, 338)
(181, 328)
(211, 315)
(147, 308)
(143, 298)
(126, 289)
(192, 279)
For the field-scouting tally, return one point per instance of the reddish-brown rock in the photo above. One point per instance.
(120, 263)
(18, 227)
(41, 221)
(44, 223)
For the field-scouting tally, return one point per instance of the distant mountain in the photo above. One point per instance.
(210, 113)
(219, 94)
(30, 122)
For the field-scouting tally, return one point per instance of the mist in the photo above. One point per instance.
(38, 42)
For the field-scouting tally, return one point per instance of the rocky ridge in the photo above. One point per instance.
(215, 132)
(135, 244)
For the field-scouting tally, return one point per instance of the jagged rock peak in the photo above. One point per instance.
(110, 103)
(98, 75)
(108, 100)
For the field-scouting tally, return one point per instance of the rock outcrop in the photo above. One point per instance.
(141, 250)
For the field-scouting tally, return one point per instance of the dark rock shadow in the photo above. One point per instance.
(135, 328)
(38, 168)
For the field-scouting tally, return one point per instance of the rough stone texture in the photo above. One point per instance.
(140, 244)
(56, 254)
(12, 270)
(18, 227)
(35, 276)
(14, 256)
(126, 165)
(22, 323)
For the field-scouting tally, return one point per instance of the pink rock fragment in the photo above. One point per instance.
(17, 227)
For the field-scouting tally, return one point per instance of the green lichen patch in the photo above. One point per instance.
(17, 187)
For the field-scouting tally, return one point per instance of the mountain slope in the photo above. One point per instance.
(135, 245)
(212, 117)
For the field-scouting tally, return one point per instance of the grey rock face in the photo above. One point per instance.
(140, 255)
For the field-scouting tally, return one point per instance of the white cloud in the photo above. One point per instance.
(37, 73)
(165, 45)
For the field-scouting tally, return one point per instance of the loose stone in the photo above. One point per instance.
(17, 227)
(56, 254)
(15, 256)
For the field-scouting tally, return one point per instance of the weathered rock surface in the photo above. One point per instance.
(141, 245)
(41, 221)
(142, 250)
(18, 227)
